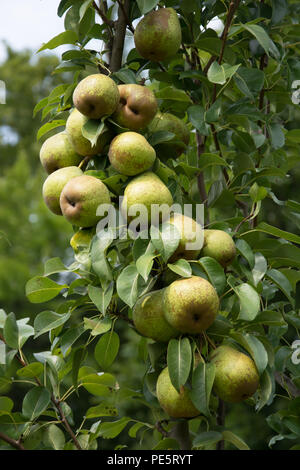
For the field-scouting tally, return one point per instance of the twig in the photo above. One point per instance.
(84, 163)
(65, 423)
(200, 178)
(161, 429)
(16, 444)
(285, 382)
(102, 15)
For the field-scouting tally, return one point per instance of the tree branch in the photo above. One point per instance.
(120, 31)
(16, 444)
(125, 13)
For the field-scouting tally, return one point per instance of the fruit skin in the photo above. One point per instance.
(190, 232)
(236, 376)
(176, 405)
(131, 154)
(170, 123)
(58, 152)
(54, 185)
(80, 199)
(220, 246)
(137, 107)
(82, 145)
(96, 96)
(146, 189)
(148, 317)
(158, 35)
(190, 304)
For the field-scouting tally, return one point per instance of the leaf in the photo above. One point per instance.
(53, 266)
(54, 437)
(101, 410)
(220, 73)
(179, 359)
(32, 370)
(41, 289)
(207, 438)
(165, 239)
(254, 347)
(202, 383)
(126, 76)
(215, 273)
(113, 429)
(144, 265)
(245, 250)
(167, 444)
(235, 440)
(181, 267)
(49, 126)
(67, 37)
(6, 404)
(249, 81)
(35, 402)
(11, 331)
(281, 282)
(99, 247)
(170, 93)
(98, 384)
(84, 7)
(276, 134)
(146, 5)
(107, 349)
(160, 137)
(47, 321)
(265, 390)
(69, 338)
(262, 37)
(196, 116)
(249, 301)
(260, 268)
(92, 129)
(128, 285)
(276, 232)
(100, 297)
(98, 327)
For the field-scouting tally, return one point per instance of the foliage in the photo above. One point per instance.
(234, 92)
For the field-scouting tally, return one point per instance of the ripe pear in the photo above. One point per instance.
(176, 405)
(191, 304)
(58, 152)
(96, 96)
(148, 317)
(81, 240)
(146, 189)
(54, 185)
(80, 199)
(131, 154)
(158, 35)
(190, 233)
(82, 145)
(137, 107)
(219, 245)
(236, 376)
(170, 123)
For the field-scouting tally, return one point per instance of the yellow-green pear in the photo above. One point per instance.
(236, 376)
(82, 239)
(82, 145)
(146, 190)
(170, 123)
(96, 96)
(137, 107)
(148, 317)
(158, 34)
(191, 237)
(130, 153)
(80, 199)
(58, 152)
(54, 185)
(191, 304)
(175, 404)
(219, 245)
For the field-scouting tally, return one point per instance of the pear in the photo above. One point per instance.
(158, 35)
(96, 96)
(190, 233)
(82, 145)
(190, 304)
(54, 185)
(236, 376)
(175, 404)
(82, 239)
(137, 107)
(170, 123)
(131, 154)
(148, 317)
(220, 246)
(58, 152)
(147, 189)
(80, 199)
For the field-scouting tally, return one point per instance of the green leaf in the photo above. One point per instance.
(254, 347)
(265, 390)
(144, 264)
(126, 76)
(235, 440)
(128, 284)
(276, 232)
(98, 327)
(167, 444)
(262, 37)
(196, 116)
(69, 338)
(11, 331)
(207, 438)
(47, 321)
(6, 404)
(249, 301)
(98, 384)
(202, 383)
(92, 129)
(170, 93)
(99, 247)
(54, 437)
(67, 37)
(84, 7)
(249, 81)
(35, 402)
(179, 359)
(32, 370)
(107, 349)
(220, 73)
(113, 429)
(160, 137)
(260, 268)
(245, 250)
(215, 273)
(146, 5)
(41, 289)
(181, 267)
(165, 239)
(101, 410)
(276, 135)
(100, 297)
(53, 266)
(49, 126)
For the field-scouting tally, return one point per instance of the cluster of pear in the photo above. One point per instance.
(186, 305)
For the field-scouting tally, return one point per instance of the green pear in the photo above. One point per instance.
(220, 246)
(148, 317)
(82, 145)
(191, 304)
(190, 233)
(131, 154)
(236, 376)
(137, 107)
(168, 122)
(54, 185)
(175, 404)
(58, 152)
(146, 189)
(96, 96)
(158, 35)
(80, 199)
(82, 239)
